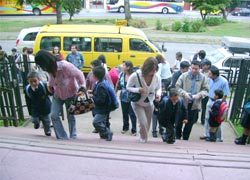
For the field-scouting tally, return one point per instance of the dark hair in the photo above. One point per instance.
(14, 50)
(160, 59)
(130, 65)
(206, 62)
(173, 92)
(196, 63)
(99, 72)
(102, 58)
(73, 45)
(30, 50)
(53, 50)
(214, 70)
(219, 93)
(202, 54)
(0, 47)
(46, 61)
(148, 65)
(96, 63)
(179, 54)
(25, 49)
(184, 64)
(33, 74)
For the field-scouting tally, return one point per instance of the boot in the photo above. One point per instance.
(241, 140)
(212, 137)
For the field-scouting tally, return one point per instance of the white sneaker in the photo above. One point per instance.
(143, 140)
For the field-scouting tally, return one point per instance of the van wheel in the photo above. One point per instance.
(165, 11)
(121, 9)
(36, 12)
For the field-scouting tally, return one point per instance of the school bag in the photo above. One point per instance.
(28, 86)
(223, 112)
(113, 101)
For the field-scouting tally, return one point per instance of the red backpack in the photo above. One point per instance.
(223, 112)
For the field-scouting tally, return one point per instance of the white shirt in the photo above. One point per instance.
(164, 70)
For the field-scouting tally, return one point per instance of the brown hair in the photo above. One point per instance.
(160, 59)
(148, 65)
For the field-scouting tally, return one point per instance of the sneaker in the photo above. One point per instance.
(142, 140)
(124, 131)
(36, 126)
(134, 134)
(109, 137)
(210, 139)
(203, 137)
(239, 141)
(154, 134)
(94, 131)
(48, 134)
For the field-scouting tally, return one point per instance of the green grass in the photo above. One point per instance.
(238, 128)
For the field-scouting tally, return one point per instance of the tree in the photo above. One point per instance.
(207, 6)
(127, 10)
(57, 4)
(72, 7)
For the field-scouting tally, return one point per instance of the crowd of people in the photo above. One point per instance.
(169, 97)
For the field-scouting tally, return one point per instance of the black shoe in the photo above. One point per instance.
(154, 134)
(210, 139)
(48, 134)
(164, 138)
(239, 141)
(94, 131)
(109, 137)
(36, 126)
(170, 141)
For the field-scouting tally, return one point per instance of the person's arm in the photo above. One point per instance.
(215, 109)
(158, 90)
(77, 74)
(101, 96)
(226, 90)
(132, 83)
(203, 91)
(179, 86)
(82, 60)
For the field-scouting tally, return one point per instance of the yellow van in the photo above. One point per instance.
(116, 43)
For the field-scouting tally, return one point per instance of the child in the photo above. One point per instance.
(216, 114)
(101, 100)
(38, 102)
(172, 112)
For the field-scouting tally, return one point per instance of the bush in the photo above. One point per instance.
(158, 25)
(166, 28)
(176, 26)
(138, 23)
(214, 21)
(197, 26)
(186, 26)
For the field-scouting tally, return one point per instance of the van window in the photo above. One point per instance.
(30, 36)
(82, 43)
(108, 44)
(139, 45)
(49, 42)
(234, 63)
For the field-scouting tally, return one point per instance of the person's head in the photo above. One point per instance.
(73, 48)
(178, 56)
(218, 94)
(99, 73)
(206, 65)
(174, 95)
(160, 59)
(33, 79)
(56, 50)
(195, 67)
(1, 47)
(25, 50)
(96, 63)
(14, 50)
(202, 54)
(128, 67)
(46, 61)
(184, 66)
(149, 67)
(214, 72)
(102, 58)
(30, 50)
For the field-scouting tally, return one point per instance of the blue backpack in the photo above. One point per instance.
(113, 101)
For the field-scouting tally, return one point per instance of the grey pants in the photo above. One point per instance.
(45, 120)
(144, 116)
(219, 133)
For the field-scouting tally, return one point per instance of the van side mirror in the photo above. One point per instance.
(163, 48)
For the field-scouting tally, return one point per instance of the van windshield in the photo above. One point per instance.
(215, 56)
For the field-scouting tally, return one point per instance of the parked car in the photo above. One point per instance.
(228, 58)
(241, 12)
(26, 37)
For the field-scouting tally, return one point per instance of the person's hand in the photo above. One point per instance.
(50, 89)
(185, 121)
(142, 90)
(186, 96)
(196, 97)
(157, 98)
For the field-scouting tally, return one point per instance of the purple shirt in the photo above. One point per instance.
(67, 81)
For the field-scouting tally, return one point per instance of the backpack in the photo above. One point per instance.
(247, 107)
(28, 86)
(223, 112)
(113, 101)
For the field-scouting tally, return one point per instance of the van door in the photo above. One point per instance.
(110, 47)
(139, 51)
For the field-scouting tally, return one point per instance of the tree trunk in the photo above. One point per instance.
(127, 10)
(59, 13)
(224, 14)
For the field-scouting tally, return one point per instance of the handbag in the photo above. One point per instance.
(132, 96)
(81, 104)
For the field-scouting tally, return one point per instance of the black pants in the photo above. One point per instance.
(170, 131)
(165, 83)
(203, 109)
(127, 111)
(192, 115)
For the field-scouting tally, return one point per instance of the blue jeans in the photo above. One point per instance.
(45, 120)
(99, 123)
(127, 111)
(57, 106)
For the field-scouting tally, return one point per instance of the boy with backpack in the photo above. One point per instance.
(217, 114)
(38, 102)
(172, 113)
(105, 101)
